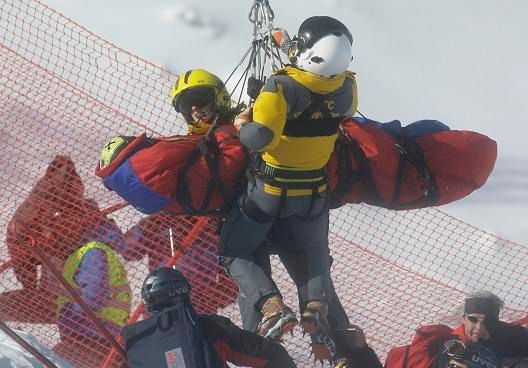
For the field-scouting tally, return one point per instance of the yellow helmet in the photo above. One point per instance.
(113, 148)
(198, 87)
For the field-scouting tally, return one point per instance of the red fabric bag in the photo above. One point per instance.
(371, 166)
(181, 174)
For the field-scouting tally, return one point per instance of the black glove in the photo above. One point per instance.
(254, 86)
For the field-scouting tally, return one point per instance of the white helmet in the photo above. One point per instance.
(323, 46)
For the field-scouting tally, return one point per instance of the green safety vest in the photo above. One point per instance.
(118, 309)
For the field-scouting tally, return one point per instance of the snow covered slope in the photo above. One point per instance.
(13, 355)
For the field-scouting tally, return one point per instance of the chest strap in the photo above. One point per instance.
(315, 121)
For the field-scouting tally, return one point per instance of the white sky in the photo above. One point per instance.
(462, 62)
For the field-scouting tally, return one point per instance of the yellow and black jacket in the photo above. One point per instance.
(296, 118)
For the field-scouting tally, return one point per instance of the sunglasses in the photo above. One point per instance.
(474, 319)
(199, 97)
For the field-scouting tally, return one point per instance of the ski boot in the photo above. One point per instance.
(314, 323)
(277, 320)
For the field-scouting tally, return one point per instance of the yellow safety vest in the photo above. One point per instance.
(118, 309)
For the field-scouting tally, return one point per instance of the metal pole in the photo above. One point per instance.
(37, 354)
(42, 256)
(186, 243)
(114, 208)
(4, 266)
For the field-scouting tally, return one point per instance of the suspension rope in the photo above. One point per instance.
(264, 49)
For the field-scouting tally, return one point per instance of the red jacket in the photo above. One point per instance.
(422, 350)
(56, 214)
(242, 348)
(507, 341)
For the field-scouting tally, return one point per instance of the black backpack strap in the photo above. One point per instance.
(208, 148)
(411, 153)
(348, 178)
(212, 158)
(305, 125)
(211, 357)
(316, 104)
(140, 336)
(365, 172)
(182, 193)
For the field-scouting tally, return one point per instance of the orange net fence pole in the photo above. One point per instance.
(115, 207)
(4, 266)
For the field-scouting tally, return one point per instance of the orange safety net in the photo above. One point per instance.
(64, 91)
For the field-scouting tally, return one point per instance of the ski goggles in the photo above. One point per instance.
(199, 97)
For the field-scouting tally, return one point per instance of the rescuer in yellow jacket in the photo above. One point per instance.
(293, 130)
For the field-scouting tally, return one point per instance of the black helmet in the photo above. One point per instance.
(164, 287)
(322, 46)
(317, 27)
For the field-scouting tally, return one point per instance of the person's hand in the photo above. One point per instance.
(242, 119)
(358, 337)
(254, 86)
(454, 364)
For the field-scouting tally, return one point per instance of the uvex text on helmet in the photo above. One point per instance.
(164, 287)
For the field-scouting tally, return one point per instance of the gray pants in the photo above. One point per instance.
(247, 226)
(280, 242)
(295, 264)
